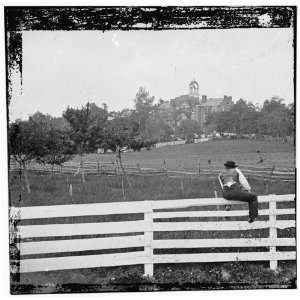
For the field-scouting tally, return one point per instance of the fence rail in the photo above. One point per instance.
(113, 168)
(68, 238)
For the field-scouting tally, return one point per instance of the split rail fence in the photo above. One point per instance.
(55, 245)
(113, 168)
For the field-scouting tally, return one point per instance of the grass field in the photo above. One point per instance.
(187, 157)
(47, 190)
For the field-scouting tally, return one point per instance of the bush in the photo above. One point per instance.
(227, 275)
(207, 276)
(131, 280)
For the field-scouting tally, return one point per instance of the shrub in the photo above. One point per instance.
(131, 280)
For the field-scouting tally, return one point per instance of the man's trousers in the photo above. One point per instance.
(236, 192)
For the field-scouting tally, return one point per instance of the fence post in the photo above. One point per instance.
(139, 168)
(165, 167)
(148, 217)
(273, 230)
(71, 190)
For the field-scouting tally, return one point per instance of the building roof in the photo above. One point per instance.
(185, 98)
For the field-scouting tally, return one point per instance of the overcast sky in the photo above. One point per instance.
(63, 68)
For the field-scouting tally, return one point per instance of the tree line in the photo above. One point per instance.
(55, 140)
(274, 118)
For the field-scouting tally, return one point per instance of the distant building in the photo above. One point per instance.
(191, 107)
(209, 105)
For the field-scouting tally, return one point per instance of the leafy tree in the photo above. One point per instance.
(221, 121)
(187, 128)
(24, 145)
(157, 129)
(119, 132)
(47, 120)
(275, 118)
(57, 147)
(242, 118)
(249, 122)
(292, 127)
(86, 128)
(144, 107)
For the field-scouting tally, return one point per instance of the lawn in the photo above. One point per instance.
(47, 190)
(187, 157)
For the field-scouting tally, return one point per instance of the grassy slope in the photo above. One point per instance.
(186, 157)
(47, 191)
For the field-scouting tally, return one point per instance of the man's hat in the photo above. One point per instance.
(230, 164)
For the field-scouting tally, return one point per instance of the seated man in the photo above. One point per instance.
(236, 187)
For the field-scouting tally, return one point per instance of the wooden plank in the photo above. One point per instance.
(148, 268)
(222, 257)
(91, 209)
(59, 246)
(84, 261)
(161, 204)
(217, 226)
(28, 231)
(273, 232)
(217, 243)
(218, 213)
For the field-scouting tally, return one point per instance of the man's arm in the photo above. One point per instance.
(243, 181)
(221, 180)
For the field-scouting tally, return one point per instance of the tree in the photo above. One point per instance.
(157, 129)
(221, 121)
(238, 112)
(275, 118)
(47, 120)
(24, 145)
(57, 147)
(86, 128)
(241, 118)
(119, 132)
(249, 122)
(188, 128)
(144, 107)
(292, 127)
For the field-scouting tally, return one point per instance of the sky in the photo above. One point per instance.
(62, 68)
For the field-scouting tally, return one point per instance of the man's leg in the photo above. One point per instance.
(235, 193)
(253, 206)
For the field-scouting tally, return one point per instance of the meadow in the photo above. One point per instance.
(187, 157)
(48, 190)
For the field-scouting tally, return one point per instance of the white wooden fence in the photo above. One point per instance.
(171, 143)
(152, 210)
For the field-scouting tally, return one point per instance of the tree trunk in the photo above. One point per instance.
(123, 188)
(122, 168)
(26, 178)
(52, 171)
(82, 168)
